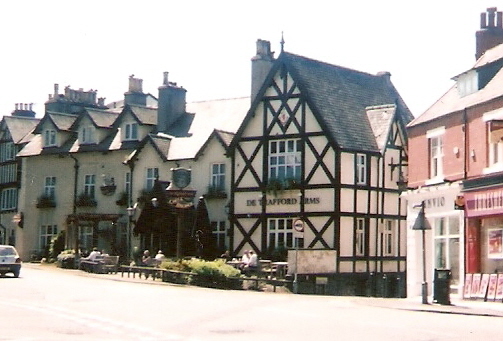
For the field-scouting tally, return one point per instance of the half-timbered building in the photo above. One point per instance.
(322, 147)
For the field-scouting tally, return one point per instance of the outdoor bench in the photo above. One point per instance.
(102, 265)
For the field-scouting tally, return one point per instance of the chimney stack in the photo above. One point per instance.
(261, 65)
(171, 104)
(135, 94)
(23, 110)
(490, 33)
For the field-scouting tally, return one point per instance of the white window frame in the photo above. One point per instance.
(388, 237)
(87, 134)
(220, 233)
(151, 174)
(360, 230)
(7, 151)
(46, 233)
(8, 199)
(90, 185)
(218, 176)
(447, 229)
(285, 159)
(8, 173)
(436, 155)
(50, 187)
(50, 138)
(131, 131)
(361, 169)
(280, 232)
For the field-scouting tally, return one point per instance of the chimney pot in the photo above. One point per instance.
(499, 19)
(56, 90)
(165, 78)
(483, 20)
(31, 106)
(490, 16)
(17, 105)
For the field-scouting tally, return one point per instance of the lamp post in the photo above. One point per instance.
(422, 224)
(130, 212)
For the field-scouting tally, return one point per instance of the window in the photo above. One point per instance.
(361, 169)
(86, 237)
(8, 173)
(131, 132)
(360, 237)
(495, 143)
(218, 176)
(436, 154)
(285, 159)
(9, 199)
(50, 187)
(7, 151)
(47, 232)
(447, 247)
(388, 238)
(152, 174)
(87, 134)
(89, 185)
(467, 83)
(49, 138)
(280, 232)
(219, 232)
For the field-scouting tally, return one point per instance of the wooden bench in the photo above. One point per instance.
(146, 271)
(110, 264)
(274, 282)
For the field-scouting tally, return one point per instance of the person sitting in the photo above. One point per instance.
(244, 260)
(94, 254)
(146, 259)
(252, 265)
(226, 256)
(86, 263)
(159, 257)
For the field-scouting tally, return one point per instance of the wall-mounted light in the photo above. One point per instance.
(472, 154)
(455, 150)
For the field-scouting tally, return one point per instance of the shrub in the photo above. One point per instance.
(214, 274)
(66, 259)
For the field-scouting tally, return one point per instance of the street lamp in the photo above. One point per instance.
(422, 224)
(131, 211)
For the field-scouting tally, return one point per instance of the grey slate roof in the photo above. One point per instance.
(380, 119)
(339, 97)
(20, 128)
(62, 122)
(145, 115)
(102, 118)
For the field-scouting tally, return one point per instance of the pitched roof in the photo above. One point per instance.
(145, 115)
(452, 101)
(102, 118)
(339, 96)
(20, 128)
(62, 122)
(380, 119)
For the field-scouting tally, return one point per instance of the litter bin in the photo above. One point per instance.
(442, 286)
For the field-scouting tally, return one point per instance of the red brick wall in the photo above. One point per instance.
(454, 166)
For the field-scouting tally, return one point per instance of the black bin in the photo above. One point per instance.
(442, 286)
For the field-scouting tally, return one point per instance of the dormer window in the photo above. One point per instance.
(131, 132)
(468, 83)
(49, 138)
(87, 135)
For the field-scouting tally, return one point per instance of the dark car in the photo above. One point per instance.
(10, 262)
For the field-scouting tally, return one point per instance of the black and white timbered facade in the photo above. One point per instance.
(325, 145)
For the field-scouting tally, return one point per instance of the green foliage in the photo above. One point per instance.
(211, 274)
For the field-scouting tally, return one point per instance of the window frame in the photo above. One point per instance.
(87, 134)
(151, 178)
(90, 185)
(360, 233)
(131, 131)
(285, 159)
(361, 169)
(218, 176)
(8, 199)
(46, 233)
(286, 232)
(50, 187)
(219, 231)
(388, 237)
(50, 139)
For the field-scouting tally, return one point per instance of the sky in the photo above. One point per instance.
(206, 46)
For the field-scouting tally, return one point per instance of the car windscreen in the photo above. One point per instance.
(7, 251)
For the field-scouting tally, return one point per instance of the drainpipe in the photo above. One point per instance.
(131, 207)
(465, 142)
(76, 167)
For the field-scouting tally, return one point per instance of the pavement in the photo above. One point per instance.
(458, 305)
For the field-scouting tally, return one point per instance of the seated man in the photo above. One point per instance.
(84, 265)
(252, 265)
(146, 259)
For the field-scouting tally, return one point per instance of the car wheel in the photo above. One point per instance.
(16, 273)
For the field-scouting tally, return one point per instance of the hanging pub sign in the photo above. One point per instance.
(176, 194)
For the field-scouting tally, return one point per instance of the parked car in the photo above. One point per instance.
(10, 262)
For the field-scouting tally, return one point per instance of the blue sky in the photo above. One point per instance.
(206, 46)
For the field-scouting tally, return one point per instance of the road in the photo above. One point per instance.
(70, 305)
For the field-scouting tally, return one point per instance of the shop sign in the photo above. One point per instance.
(281, 201)
(484, 203)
